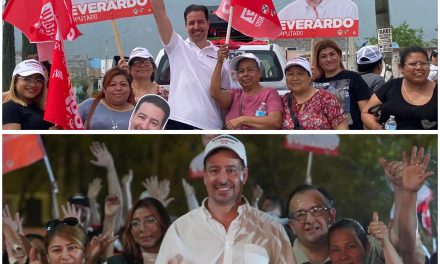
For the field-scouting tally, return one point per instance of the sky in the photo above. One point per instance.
(98, 40)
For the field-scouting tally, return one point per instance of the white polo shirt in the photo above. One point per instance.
(191, 72)
(253, 237)
(299, 9)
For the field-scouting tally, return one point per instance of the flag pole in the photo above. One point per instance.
(309, 169)
(117, 39)
(228, 31)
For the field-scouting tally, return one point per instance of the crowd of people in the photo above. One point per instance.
(226, 227)
(323, 94)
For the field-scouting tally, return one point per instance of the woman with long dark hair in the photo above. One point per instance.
(146, 225)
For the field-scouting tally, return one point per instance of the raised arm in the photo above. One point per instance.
(126, 193)
(163, 22)
(104, 159)
(92, 193)
(407, 183)
(222, 97)
(379, 231)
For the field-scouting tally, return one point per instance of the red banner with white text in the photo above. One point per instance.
(61, 106)
(257, 18)
(91, 11)
(326, 19)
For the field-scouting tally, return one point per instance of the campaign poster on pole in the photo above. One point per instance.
(319, 19)
(91, 11)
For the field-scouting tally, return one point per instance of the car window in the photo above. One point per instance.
(162, 75)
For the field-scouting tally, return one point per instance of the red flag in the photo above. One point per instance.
(20, 151)
(424, 198)
(61, 106)
(257, 18)
(38, 20)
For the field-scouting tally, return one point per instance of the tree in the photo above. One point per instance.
(405, 36)
(27, 48)
(8, 63)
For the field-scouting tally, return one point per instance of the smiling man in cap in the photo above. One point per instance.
(225, 229)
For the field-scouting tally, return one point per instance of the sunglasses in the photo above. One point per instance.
(53, 224)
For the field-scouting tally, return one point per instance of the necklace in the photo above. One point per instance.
(409, 97)
(115, 125)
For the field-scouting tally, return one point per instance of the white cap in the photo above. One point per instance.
(139, 52)
(233, 65)
(228, 142)
(301, 62)
(28, 67)
(368, 55)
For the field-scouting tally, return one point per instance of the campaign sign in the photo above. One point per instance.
(91, 11)
(330, 18)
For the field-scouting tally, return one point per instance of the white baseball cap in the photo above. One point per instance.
(236, 60)
(368, 55)
(228, 142)
(28, 67)
(301, 62)
(139, 52)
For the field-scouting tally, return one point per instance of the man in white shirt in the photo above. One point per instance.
(225, 229)
(192, 63)
(433, 68)
(315, 9)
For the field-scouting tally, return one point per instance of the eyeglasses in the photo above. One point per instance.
(28, 80)
(423, 64)
(53, 224)
(138, 63)
(314, 211)
(149, 222)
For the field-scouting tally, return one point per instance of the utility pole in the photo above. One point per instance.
(383, 21)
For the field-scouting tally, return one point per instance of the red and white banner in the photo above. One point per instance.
(318, 144)
(91, 11)
(424, 198)
(20, 151)
(37, 19)
(335, 18)
(257, 18)
(61, 106)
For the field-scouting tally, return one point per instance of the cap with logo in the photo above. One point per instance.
(139, 52)
(228, 142)
(233, 65)
(368, 55)
(301, 62)
(28, 67)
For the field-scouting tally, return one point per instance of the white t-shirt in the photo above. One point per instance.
(299, 9)
(252, 238)
(433, 72)
(191, 72)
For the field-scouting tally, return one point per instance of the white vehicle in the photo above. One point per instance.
(272, 61)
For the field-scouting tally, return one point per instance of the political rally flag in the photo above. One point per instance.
(20, 151)
(40, 20)
(256, 18)
(61, 106)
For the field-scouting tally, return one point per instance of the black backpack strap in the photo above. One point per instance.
(296, 124)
